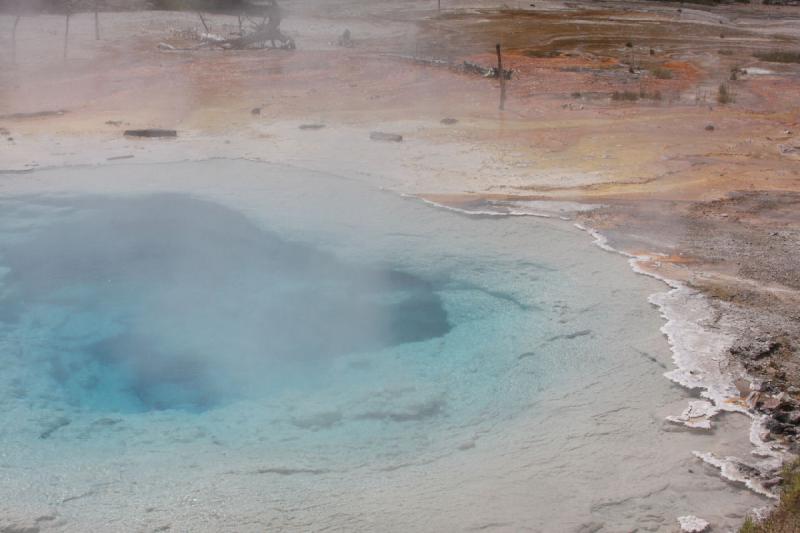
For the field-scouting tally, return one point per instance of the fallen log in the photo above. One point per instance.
(36, 114)
(260, 37)
(390, 137)
(151, 133)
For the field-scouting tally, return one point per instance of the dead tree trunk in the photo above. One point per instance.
(502, 79)
(14, 39)
(267, 30)
(66, 34)
(97, 20)
(203, 20)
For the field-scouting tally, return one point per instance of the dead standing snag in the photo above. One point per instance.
(263, 31)
(14, 39)
(501, 76)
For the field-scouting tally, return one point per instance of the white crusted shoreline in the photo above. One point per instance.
(700, 357)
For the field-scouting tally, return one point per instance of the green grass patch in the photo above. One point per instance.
(785, 518)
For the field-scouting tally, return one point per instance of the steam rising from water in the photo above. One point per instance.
(170, 302)
(304, 338)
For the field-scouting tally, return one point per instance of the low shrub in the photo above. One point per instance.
(785, 518)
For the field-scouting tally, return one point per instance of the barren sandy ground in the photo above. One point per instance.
(711, 191)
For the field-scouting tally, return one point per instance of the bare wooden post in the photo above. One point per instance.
(14, 39)
(66, 33)
(501, 75)
(203, 20)
(96, 20)
(440, 6)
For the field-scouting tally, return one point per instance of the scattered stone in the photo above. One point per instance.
(755, 349)
(311, 126)
(768, 403)
(165, 46)
(692, 524)
(743, 386)
(793, 418)
(151, 133)
(115, 123)
(118, 157)
(256, 111)
(449, 121)
(780, 428)
(710, 127)
(390, 137)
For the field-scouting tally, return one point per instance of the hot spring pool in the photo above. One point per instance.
(234, 346)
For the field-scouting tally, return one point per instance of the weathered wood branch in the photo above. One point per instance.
(66, 33)
(259, 37)
(97, 20)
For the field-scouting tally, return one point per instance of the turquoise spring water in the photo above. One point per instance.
(298, 351)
